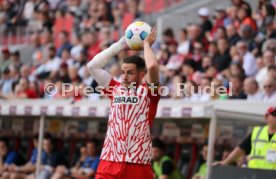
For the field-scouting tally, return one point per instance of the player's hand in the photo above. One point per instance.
(12, 168)
(219, 163)
(123, 43)
(150, 39)
(61, 169)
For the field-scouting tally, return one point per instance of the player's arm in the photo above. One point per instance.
(95, 66)
(150, 59)
(27, 168)
(233, 156)
(243, 149)
(82, 173)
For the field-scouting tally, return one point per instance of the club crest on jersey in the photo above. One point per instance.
(125, 100)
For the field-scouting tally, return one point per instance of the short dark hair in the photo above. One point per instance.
(191, 63)
(272, 67)
(159, 144)
(94, 141)
(65, 33)
(138, 61)
(52, 48)
(35, 136)
(5, 140)
(48, 136)
(15, 53)
(168, 32)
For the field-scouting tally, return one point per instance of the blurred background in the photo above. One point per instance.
(200, 42)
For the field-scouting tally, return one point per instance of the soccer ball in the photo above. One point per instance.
(136, 33)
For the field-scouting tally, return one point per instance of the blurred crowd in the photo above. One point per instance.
(56, 162)
(230, 44)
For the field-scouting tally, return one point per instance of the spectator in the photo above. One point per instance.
(272, 72)
(84, 169)
(207, 61)
(50, 68)
(77, 48)
(235, 69)
(270, 32)
(266, 11)
(251, 89)
(175, 58)
(190, 72)
(163, 165)
(63, 74)
(195, 36)
(8, 157)
(230, 19)
(248, 61)
(233, 36)
(237, 90)
(172, 78)
(91, 44)
(244, 18)
(64, 41)
(21, 172)
(49, 159)
(183, 47)
(25, 73)
(223, 59)
(206, 24)
(270, 90)
(46, 40)
(205, 87)
(197, 54)
(259, 63)
(5, 62)
(219, 16)
(23, 90)
(247, 35)
(191, 91)
(15, 60)
(201, 173)
(168, 36)
(269, 60)
(213, 50)
(6, 84)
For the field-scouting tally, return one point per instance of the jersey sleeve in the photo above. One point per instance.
(34, 156)
(154, 96)
(95, 164)
(11, 158)
(246, 144)
(108, 91)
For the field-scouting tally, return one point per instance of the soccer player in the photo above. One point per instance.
(127, 147)
(86, 169)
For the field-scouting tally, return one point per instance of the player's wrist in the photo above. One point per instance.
(146, 43)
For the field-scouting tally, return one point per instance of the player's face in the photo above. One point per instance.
(271, 120)
(3, 149)
(47, 145)
(35, 142)
(91, 149)
(204, 152)
(130, 74)
(156, 154)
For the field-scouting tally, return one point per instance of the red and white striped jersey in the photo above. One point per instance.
(132, 113)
